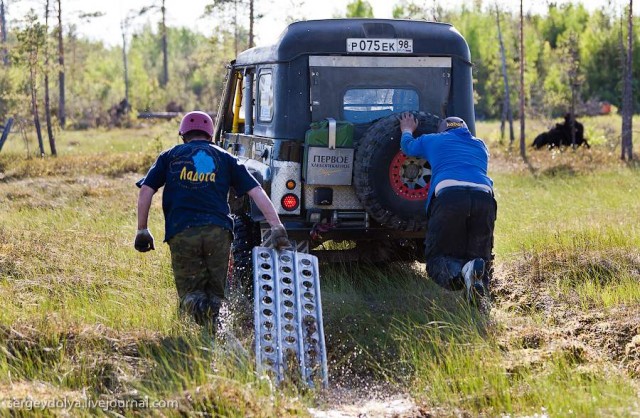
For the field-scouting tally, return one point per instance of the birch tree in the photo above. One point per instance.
(124, 28)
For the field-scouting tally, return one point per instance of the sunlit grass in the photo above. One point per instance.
(543, 210)
(457, 369)
(84, 314)
(599, 267)
(145, 136)
(67, 253)
(180, 367)
(625, 291)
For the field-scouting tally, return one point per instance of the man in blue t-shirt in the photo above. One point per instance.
(196, 177)
(461, 209)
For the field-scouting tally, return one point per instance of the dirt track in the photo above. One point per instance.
(590, 335)
(535, 325)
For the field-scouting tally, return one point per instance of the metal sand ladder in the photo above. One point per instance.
(288, 316)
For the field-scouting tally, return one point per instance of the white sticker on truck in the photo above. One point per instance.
(380, 46)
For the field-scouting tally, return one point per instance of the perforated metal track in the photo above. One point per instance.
(288, 316)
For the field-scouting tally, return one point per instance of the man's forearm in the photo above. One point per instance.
(144, 204)
(408, 143)
(264, 204)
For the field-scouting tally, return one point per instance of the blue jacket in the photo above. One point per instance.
(196, 177)
(453, 155)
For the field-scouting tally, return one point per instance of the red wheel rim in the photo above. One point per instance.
(410, 177)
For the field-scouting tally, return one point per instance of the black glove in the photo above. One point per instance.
(144, 241)
(279, 238)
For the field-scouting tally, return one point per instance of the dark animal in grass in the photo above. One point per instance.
(560, 135)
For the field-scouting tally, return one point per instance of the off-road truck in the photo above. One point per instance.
(314, 117)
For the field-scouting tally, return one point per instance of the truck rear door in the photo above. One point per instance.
(364, 88)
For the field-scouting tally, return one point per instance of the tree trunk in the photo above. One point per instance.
(522, 117)
(124, 60)
(165, 59)
(251, 23)
(235, 28)
(627, 93)
(34, 108)
(3, 34)
(572, 115)
(62, 115)
(47, 109)
(47, 102)
(507, 96)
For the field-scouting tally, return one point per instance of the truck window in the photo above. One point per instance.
(364, 88)
(265, 97)
(366, 105)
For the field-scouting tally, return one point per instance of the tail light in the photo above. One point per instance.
(286, 188)
(290, 202)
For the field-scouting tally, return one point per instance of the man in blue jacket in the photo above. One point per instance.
(461, 209)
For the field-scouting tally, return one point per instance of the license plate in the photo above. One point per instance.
(380, 46)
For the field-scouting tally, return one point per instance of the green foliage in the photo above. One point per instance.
(406, 9)
(477, 30)
(13, 93)
(191, 83)
(565, 35)
(359, 8)
(95, 74)
(562, 19)
(31, 41)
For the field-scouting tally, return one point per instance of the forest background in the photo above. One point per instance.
(567, 48)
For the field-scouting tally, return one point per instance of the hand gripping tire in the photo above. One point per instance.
(392, 187)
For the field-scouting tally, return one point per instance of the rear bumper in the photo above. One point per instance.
(323, 232)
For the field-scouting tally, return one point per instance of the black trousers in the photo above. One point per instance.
(460, 228)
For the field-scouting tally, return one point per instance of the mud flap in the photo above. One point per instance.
(289, 331)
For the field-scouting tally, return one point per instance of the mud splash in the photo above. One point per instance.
(379, 401)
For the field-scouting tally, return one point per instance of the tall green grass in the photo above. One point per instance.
(456, 369)
(84, 314)
(545, 210)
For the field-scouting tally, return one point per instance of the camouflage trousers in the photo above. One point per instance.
(200, 262)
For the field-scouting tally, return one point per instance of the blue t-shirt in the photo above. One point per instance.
(453, 155)
(196, 177)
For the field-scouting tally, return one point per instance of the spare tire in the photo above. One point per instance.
(392, 187)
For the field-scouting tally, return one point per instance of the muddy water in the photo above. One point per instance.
(392, 407)
(365, 401)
